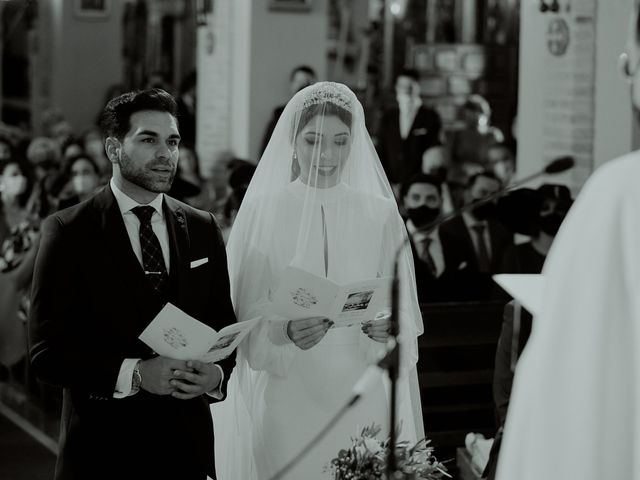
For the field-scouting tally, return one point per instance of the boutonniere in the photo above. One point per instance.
(180, 218)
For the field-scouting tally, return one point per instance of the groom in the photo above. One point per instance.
(105, 268)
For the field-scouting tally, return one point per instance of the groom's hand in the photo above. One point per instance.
(157, 373)
(198, 379)
(305, 333)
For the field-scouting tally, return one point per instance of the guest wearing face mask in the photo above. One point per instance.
(537, 214)
(83, 179)
(422, 201)
(18, 240)
(474, 242)
(406, 131)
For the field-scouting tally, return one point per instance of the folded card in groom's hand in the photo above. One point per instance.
(175, 334)
(302, 294)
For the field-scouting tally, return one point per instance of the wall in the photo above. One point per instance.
(85, 59)
(279, 42)
(614, 123)
(595, 123)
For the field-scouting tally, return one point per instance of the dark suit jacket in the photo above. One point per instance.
(402, 158)
(431, 289)
(462, 261)
(271, 126)
(516, 329)
(90, 302)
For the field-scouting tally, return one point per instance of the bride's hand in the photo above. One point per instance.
(378, 328)
(305, 333)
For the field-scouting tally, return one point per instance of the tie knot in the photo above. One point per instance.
(144, 213)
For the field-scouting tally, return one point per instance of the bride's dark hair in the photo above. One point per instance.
(327, 109)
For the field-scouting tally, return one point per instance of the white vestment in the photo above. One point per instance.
(575, 406)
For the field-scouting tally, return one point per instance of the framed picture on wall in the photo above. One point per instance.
(290, 5)
(92, 9)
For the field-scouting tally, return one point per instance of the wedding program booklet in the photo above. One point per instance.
(302, 294)
(175, 334)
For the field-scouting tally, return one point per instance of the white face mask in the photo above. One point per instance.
(83, 184)
(14, 186)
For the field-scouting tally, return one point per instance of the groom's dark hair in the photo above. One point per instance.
(115, 120)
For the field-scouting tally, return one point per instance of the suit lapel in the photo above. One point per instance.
(179, 242)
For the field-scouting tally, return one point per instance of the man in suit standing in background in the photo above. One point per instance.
(407, 131)
(105, 268)
(301, 76)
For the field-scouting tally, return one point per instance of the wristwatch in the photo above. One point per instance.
(136, 379)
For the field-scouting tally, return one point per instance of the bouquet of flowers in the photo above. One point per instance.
(366, 459)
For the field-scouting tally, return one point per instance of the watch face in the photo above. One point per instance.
(136, 379)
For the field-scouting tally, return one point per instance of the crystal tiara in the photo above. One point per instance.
(323, 92)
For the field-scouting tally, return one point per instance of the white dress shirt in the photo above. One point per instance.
(408, 115)
(435, 245)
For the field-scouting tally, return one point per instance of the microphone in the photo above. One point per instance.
(367, 380)
(371, 375)
(558, 165)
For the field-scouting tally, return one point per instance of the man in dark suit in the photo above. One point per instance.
(422, 200)
(516, 329)
(105, 268)
(301, 76)
(474, 242)
(407, 131)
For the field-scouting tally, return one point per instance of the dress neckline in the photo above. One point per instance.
(321, 195)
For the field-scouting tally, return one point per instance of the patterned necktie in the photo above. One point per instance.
(152, 259)
(484, 261)
(426, 257)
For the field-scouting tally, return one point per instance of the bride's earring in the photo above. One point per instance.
(295, 166)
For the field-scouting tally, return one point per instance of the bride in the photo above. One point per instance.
(319, 201)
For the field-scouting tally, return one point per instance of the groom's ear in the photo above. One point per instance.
(112, 147)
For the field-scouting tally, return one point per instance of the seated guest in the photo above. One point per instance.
(18, 243)
(422, 200)
(82, 176)
(435, 162)
(187, 184)
(241, 173)
(474, 242)
(500, 159)
(468, 143)
(537, 214)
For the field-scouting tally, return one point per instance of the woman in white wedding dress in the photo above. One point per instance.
(319, 201)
